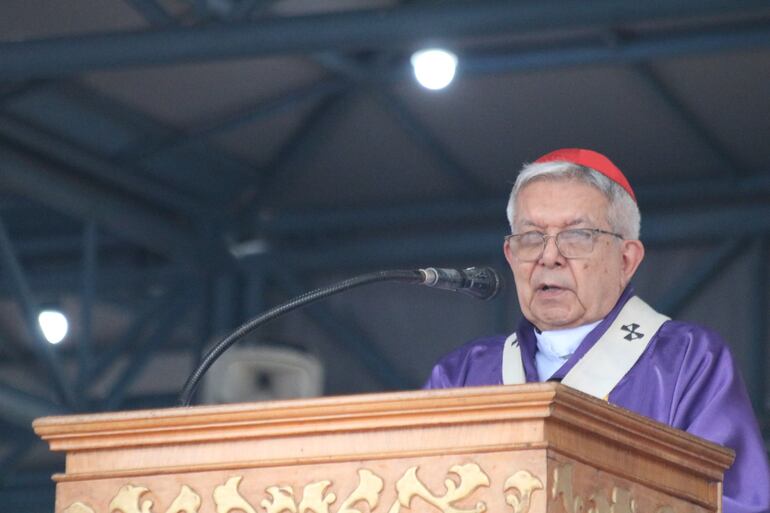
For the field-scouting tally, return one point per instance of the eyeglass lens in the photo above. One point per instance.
(571, 244)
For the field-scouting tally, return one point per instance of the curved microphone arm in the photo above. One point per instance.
(185, 397)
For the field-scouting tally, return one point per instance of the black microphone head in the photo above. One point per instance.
(479, 282)
(482, 283)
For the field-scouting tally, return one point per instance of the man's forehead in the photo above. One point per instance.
(558, 186)
(559, 203)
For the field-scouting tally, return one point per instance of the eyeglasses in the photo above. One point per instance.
(577, 243)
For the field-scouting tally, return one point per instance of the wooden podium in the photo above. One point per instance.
(528, 448)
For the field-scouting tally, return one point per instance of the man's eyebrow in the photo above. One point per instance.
(533, 224)
(573, 222)
(578, 220)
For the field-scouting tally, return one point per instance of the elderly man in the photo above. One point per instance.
(573, 250)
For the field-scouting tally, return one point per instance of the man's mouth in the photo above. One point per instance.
(550, 288)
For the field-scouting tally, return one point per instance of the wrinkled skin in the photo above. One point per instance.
(556, 292)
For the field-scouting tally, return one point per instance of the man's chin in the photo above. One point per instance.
(555, 320)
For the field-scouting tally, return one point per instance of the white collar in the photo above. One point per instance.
(560, 344)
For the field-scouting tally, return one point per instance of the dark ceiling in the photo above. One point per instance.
(170, 168)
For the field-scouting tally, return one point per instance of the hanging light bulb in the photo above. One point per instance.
(434, 68)
(54, 325)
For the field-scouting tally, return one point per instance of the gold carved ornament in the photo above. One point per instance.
(127, 501)
(471, 477)
(621, 499)
(525, 484)
(316, 499)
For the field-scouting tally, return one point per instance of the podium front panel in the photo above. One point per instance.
(529, 448)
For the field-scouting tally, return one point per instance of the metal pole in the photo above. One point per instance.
(87, 293)
(30, 312)
(402, 27)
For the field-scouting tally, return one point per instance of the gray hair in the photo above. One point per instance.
(622, 214)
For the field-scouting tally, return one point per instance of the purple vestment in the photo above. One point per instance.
(686, 378)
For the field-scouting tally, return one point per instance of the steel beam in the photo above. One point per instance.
(729, 161)
(20, 408)
(642, 49)
(43, 244)
(244, 114)
(247, 8)
(255, 291)
(224, 308)
(163, 170)
(67, 276)
(352, 339)
(87, 293)
(204, 324)
(415, 250)
(639, 50)
(19, 449)
(314, 222)
(682, 293)
(11, 352)
(15, 89)
(152, 12)
(36, 179)
(401, 27)
(303, 142)
(349, 67)
(142, 354)
(472, 185)
(718, 194)
(705, 191)
(39, 498)
(434, 247)
(706, 224)
(19, 133)
(30, 310)
(23, 442)
(144, 317)
(472, 228)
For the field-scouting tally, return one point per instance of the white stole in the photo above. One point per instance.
(610, 358)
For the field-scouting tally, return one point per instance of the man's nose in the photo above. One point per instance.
(551, 255)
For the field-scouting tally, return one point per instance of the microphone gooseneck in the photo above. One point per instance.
(482, 283)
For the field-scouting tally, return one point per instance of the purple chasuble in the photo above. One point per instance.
(686, 378)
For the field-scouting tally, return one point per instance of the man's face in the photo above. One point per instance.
(555, 292)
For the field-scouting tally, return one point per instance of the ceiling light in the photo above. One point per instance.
(434, 68)
(54, 325)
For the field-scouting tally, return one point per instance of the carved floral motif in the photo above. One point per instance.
(127, 501)
(317, 496)
(368, 491)
(471, 477)
(620, 501)
(524, 484)
(227, 498)
(78, 507)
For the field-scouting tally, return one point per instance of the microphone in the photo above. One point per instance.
(479, 282)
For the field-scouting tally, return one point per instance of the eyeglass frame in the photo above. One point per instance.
(545, 237)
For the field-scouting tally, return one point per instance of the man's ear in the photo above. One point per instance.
(507, 253)
(632, 255)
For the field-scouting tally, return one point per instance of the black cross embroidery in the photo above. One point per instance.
(632, 333)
